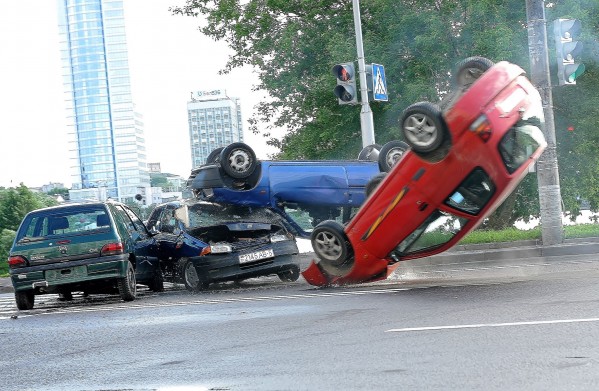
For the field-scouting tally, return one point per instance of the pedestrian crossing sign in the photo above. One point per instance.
(379, 83)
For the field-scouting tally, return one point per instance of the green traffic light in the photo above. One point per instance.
(573, 71)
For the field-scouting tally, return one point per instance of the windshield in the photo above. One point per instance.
(64, 221)
(206, 214)
(524, 138)
(439, 228)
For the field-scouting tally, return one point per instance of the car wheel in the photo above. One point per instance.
(128, 285)
(391, 153)
(423, 127)
(370, 153)
(290, 275)
(214, 156)
(332, 247)
(65, 296)
(24, 299)
(374, 182)
(157, 282)
(470, 69)
(191, 278)
(238, 160)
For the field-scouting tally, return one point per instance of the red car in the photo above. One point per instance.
(464, 161)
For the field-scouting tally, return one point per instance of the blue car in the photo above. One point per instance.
(304, 192)
(200, 243)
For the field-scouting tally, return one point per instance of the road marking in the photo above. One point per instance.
(7, 313)
(482, 325)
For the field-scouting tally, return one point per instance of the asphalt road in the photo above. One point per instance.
(532, 325)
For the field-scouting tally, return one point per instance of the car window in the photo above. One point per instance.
(132, 221)
(473, 193)
(439, 228)
(519, 143)
(154, 217)
(67, 221)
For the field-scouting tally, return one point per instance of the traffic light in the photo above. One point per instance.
(346, 90)
(567, 50)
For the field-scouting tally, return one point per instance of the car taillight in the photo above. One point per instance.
(112, 249)
(482, 127)
(16, 261)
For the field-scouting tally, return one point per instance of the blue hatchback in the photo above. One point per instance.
(304, 192)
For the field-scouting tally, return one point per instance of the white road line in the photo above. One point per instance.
(482, 325)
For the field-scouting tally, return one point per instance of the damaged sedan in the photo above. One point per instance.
(203, 242)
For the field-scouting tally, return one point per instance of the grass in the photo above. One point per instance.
(481, 236)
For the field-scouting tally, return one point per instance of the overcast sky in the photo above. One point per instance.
(168, 59)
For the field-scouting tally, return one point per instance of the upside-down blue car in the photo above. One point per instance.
(304, 192)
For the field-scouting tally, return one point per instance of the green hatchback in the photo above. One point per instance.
(92, 247)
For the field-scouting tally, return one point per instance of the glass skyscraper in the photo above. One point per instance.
(214, 121)
(106, 137)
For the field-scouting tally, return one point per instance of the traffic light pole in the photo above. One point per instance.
(550, 197)
(366, 119)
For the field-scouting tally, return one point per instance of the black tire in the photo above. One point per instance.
(214, 156)
(238, 160)
(370, 153)
(24, 300)
(157, 282)
(374, 182)
(193, 282)
(470, 69)
(423, 127)
(332, 248)
(391, 153)
(290, 275)
(128, 285)
(65, 296)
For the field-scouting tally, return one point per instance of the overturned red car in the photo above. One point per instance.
(464, 161)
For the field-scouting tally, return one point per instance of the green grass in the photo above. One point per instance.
(4, 269)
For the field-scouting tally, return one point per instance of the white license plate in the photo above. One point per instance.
(245, 258)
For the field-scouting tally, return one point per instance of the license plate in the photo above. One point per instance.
(70, 274)
(245, 258)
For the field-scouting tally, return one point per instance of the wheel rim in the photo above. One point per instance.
(239, 160)
(328, 246)
(131, 279)
(420, 130)
(393, 156)
(191, 276)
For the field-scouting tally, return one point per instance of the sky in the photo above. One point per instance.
(168, 58)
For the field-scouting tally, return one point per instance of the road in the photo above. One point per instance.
(533, 328)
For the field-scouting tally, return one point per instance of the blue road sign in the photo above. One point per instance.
(379, 83)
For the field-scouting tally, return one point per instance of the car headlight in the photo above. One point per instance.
(221, 248)
(278, 238)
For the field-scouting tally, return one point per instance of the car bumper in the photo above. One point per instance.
(227, 267)
(40, 277)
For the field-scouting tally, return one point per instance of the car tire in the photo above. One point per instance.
(423, 127)
(470, 69)
(193, 282)
(332, 248)
(391, 153)
(128, 285)
(238, 160)
(373, 183)
(24, 300)
(157, 282)
(214, 156)
(290, 275)
(65, 296)
(370, 153)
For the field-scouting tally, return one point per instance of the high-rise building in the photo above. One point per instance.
(214, 121)
(106, 137)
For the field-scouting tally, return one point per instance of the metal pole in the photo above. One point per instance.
(366, 120)
(550, 197)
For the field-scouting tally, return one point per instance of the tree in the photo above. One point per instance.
(292, 45)
(16, 203)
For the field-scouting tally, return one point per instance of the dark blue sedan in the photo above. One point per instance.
(203, 242)
(304, 192)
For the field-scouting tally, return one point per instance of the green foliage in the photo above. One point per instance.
(15, 203)
(6, 238)
(292, 45)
